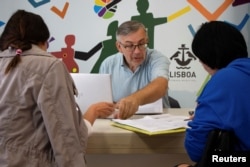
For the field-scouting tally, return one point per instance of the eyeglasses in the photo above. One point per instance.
(131, 48)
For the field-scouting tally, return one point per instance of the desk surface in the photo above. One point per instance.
(107, 139)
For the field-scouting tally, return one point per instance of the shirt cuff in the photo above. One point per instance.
(89, 127)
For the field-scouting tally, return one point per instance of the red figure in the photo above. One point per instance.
(67, 54)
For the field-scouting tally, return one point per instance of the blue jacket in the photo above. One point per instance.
(224, 104)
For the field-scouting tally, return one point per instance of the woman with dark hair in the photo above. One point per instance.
(224, 102)
(40, 123)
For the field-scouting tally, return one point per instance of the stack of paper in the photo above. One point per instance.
(155, 124)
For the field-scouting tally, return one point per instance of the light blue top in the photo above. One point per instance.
(125, 82)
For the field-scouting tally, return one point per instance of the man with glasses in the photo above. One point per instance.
(139, 74)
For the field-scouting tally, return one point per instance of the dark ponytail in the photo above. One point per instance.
(21, 31)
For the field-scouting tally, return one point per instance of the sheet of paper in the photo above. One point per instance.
(156, 122)
(151, 108)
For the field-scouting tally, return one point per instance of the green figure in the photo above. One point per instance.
(148, 20)
(109, 47)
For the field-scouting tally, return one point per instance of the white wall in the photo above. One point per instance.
(90, 29)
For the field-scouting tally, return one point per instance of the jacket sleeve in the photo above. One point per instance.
(64, 124)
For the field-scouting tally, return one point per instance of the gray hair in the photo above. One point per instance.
(129, 27)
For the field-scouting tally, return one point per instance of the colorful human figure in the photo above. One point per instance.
(108, 48)
(67, 54)
(148, 20)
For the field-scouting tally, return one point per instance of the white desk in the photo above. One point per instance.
(109, 144)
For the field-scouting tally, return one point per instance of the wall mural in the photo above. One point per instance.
(83, 32)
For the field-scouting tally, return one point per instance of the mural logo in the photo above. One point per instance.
(183, 58)
(36, 4)
(105, 8)
(180, 57)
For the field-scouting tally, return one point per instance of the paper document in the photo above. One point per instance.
(151, 108)
(155, 124)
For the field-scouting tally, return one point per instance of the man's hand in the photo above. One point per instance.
(127, 107)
